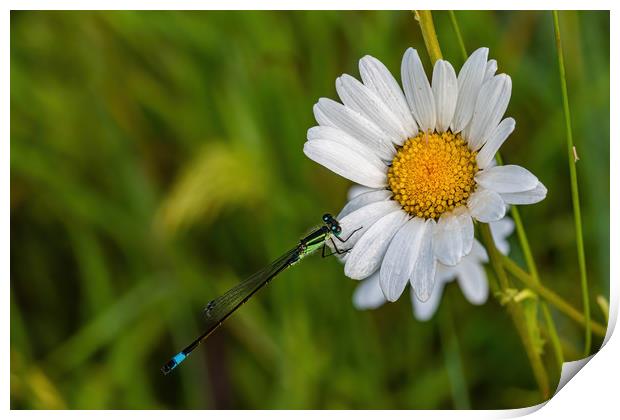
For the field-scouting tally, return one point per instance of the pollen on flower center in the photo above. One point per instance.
(432, 174)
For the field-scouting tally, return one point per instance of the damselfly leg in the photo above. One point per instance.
(351, 234)
(338, 250)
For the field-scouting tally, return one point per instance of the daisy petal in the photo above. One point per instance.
(400, 258)
(532, 196)
(369, 250)
(478, 253)
(490, 70)
(423, 274)
(346, 163)
(444, 274)
(445, 90)
(363, 200)
(356, 223)
(418, 91)
(473, 282)
(423, 311)
(506, 179)
(447, 239)
(368, 294)
(490, 106)
(333, 114)
(469, 81)
(363, 100)
(500, 231)
(356, 190)
(339, 136)
(467, 227)
(502, 228)
(495, 141)
(379, 79)
(486, 206)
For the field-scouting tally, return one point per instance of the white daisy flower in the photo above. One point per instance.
(469, 273)
(426, 158)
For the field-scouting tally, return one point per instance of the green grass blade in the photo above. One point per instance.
(457, 31)
(572, 164)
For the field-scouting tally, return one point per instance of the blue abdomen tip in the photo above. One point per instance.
(179, 358)
(173, 363)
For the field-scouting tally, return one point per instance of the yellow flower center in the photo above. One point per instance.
(432, 174)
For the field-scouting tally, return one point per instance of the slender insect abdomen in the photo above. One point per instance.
(172, 363)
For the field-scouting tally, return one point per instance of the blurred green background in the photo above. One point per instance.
(156, 160)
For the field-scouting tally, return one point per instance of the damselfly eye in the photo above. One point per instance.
(327, 217)
(336, 229)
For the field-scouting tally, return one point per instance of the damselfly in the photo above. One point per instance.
(221, 308)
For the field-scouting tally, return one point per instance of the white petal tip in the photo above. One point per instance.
(422, 296)
(391, 299)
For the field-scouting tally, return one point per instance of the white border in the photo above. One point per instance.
(593, 392)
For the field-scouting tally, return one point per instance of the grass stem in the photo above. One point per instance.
(572, 165)
(517, 313)
(425, 18)
(550, 296)
(457, 30)
(531, 266)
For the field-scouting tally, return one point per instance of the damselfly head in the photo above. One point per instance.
(332, 224)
